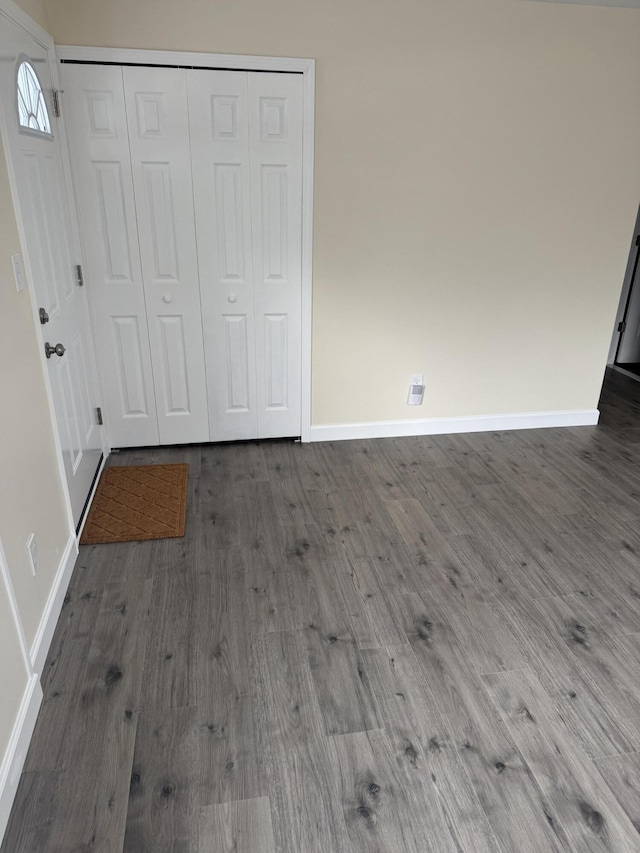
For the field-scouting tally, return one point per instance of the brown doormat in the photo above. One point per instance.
(138, 502)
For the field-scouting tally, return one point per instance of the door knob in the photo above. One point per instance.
(44, 317)
(167, 298)
(232, 298)
(58, 349)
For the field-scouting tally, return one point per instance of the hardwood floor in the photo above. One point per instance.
(417, 644)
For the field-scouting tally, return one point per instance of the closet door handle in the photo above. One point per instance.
(167, 298)
(232, 298)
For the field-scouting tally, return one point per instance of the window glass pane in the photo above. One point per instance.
(32, 108)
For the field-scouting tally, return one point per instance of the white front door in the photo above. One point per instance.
(34, 150)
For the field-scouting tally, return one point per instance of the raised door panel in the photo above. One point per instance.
(156, 103)
(128, 363)
(275, 122)
(103, 183)
(36, 221)
(218, 119)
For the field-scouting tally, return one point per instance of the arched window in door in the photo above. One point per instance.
(32, 108)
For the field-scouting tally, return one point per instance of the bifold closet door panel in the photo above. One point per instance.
(156, 104)
(94, 106)
(275, 154)
(219, 125)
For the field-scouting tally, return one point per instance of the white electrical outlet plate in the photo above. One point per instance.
(16, 263)
(32, 550)
(416, 390)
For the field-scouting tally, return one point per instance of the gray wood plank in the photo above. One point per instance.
(35, 813)
(186, 758)
(64, 672)
(580, 808)
(622, 775)
(164, 791)
(239, 827)
(296, 763)
(488, 642)
(606, 662)
(424, 752)
(380, 605)
(594, 708)
(168, 679)
(505, 785)
(382, 810)
(233, 463)
(220, 630)
(327, 601)
(273, 605)
(98, 757)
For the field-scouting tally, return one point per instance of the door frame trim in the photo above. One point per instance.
(231, 62)
(625, 295)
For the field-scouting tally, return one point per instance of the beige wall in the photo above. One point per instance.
(37, 10)
(477, 179)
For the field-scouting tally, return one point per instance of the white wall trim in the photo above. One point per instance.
(440, 426)
(308, 159)
(44, 634)
(15, 610)
(16, 751)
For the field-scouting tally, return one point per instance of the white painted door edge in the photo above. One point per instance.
(303, 66)
(443, 426)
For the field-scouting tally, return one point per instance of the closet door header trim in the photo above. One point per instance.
(222, 61)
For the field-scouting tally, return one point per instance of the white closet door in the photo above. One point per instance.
(99, 140)
(156, 102)
(246, 141)
(275, 145)
(219, 122)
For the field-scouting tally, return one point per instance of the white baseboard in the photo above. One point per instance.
(44, 634)
(441, 426)
(16, 752)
